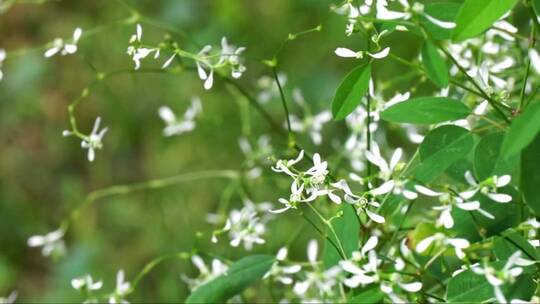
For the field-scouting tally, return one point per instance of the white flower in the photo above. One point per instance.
(535, 60)
(311, 124)
(441, 241)
(122, 289)
(2, 58)
(86, 282)
(93, 141)
(136, 50)
(323, 281)
(449, 201)
(366, 274)
(348, 53)
(51, 242)
(244, 226)
(10, 299)
(175, 126)
(205, 275)
(64, 47)
(282, 273)
(202, 62)
(488, 187)
(231, 56)
(507, 274)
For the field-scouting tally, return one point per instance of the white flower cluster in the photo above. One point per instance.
(313, 183)
(310, 124)
(86, 285)
(255, 154)
(245, 226)
(64, 47)
(176, 126)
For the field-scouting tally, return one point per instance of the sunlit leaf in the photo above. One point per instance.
(441, 148)
(348, 230)
(476, 16)
(511, 241)
(426, 110)
(351, 90)
(240, 276)
(530, 175)
(444, 11)
(436, 68)
(523, 130)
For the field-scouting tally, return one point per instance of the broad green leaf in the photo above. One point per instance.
(444, 11)
(351, 90)
(488, 160)
(426, 110)
(536, 6)
(441, 148)
(469, 287)
(530, 175)
(511, 241)
(348, 230)
(436, 68)
(523, 130)
(369, 295)
(476, 16)
(240, 276)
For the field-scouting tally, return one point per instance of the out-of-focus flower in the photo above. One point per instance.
(205, 274)
(86, 282)
(282, 273)
(51, 243)
(122, 289)
(176, 126)
(63, 47)
(441, 241)
(2, 58)
(10, 299)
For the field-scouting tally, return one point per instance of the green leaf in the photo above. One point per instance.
(351, 90)
(240, 276)
(369, 295)
(523, 130)
(348, 230)
(440, 149)
(468, 287)
(426, 110)
(486, 155)
(444, 11)
(511, 241)
(530, 175)
(476, 16)
(436, 68)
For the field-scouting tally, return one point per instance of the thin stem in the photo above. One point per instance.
(341, 250)
(283, 100)
(329, 239)
(146, 185)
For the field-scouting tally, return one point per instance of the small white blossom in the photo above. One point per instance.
(136, 49)
(488, 187)
(122, 289)
(441, 241)
(2, 58)
(51, 243)
(94, 141)
(64, 47)
(348, 53)
(176, 126)
(282, 273)
(205, 275)
(10, 299)
(86, 282)
(244, 226)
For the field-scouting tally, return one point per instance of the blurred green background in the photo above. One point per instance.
(43, 176)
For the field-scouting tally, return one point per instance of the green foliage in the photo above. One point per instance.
(440, 149)
(523, 130)
(350, 91)
(468, 287)
(511, 241)
(347, 229)
(530, 175)
(242, 274)
(426, 110)
(476, 16)
(436, 68)
(445, 11)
